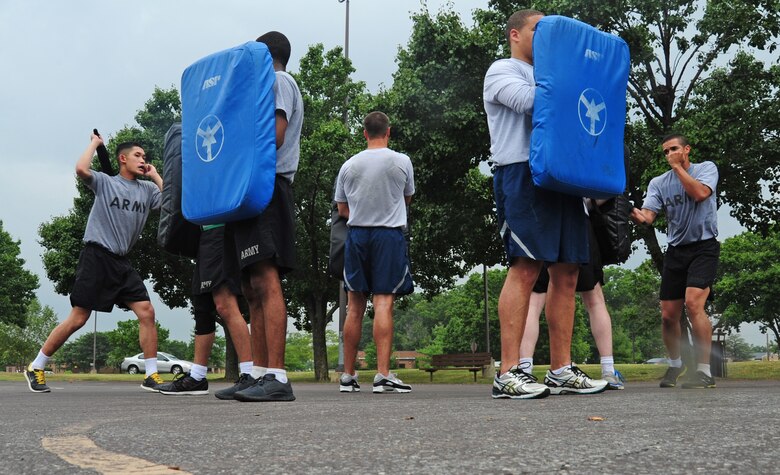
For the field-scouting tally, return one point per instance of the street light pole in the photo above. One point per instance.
(342, 292)
(94, 345)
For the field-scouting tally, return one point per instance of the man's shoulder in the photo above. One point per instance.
(286, 78)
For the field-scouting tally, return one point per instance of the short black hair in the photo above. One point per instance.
(278, 45)
(680, 138)
(376, 124)
(125, 146)
(518, 20)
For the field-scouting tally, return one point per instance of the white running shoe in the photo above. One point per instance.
(348, 384)
(573, 381)
(390, 384)
(515, 384)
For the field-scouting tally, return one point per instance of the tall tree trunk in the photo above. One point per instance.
(231, 359)
(647, 233)
(319, 346)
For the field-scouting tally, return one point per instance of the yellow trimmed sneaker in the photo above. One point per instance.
(152, 382)
(36, 380)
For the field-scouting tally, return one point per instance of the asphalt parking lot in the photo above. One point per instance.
(92, 427)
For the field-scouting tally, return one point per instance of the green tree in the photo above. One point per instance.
(632, 300)
(748, 285)
(17, 284)
(730, 113)
(435, 107)
(124, 341)
(78, 353)
(298, 352)
(326, 142)
(19, 346)
(738, 349)
(180, 349)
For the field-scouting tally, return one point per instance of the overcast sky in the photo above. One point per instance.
(68, 67)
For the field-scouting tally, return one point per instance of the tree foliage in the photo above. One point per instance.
(748, 285)
(17, 284)
(435, 108)
(77, 354)
(326, 142)
(19, 346)
(124, 340)
(632, 300)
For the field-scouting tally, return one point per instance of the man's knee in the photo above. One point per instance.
(144, 312)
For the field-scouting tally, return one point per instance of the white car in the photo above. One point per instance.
(166, 363)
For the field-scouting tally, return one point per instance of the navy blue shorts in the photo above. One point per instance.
(376, 261)
(689, 265)
(540, 224)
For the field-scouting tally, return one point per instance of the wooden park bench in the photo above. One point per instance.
(463, 361)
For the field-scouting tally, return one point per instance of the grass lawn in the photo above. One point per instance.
(746, 370)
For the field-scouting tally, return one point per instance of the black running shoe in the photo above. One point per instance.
(671, 376)
(36, 380)
(152, 382)
(266, 389)
(185, 385)
(244, 381)
(699, 380)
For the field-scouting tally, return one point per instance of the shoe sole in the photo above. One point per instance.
(564, 391)
(185, 393)
(614, 388)
(271, 398)
(29, 385)
(709, 386)
(348, 389)
(224, 397)
(150, 389)
(668, 385)
(382, 389)
(539, 395)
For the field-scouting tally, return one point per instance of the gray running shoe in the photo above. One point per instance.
(185, 385)
(268, 388)
(671, 376)
(244, 381)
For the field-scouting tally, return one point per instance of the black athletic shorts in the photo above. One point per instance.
(590, 273)
(105, 279)
(270, 235)
(216, 263)
(689, 265)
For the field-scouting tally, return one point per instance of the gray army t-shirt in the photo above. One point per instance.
(374, 183)
(120, 211)
(687, 220)
(288, 99)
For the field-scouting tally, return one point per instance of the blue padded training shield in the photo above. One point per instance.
(228, 135)
(579, 115)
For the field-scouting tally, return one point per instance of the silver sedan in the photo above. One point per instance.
(166, 363)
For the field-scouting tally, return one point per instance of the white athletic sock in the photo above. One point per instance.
(704, 368)
(245, 367)
(258, 371)
(608, 365)
(40, 361)
(675, 363)
(198, 372)
(557, 372)
(526, 365)
(281, 375)
(151, 366)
